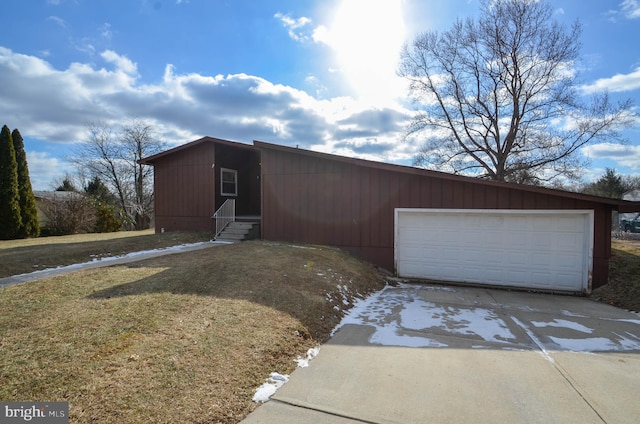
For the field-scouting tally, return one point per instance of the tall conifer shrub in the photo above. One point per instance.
(28, 210)
(10, 220)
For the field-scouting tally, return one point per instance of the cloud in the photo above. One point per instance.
(625, 155)
(616, 83)
(630, 9)
(54, 106)
(47, 169)
(294, 26)
(122, 62)
(57, 20)
(105, 31)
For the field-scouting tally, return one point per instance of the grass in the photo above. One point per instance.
(181, 338)
(23, 256)
(623, 289)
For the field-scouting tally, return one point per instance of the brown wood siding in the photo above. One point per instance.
(310, 199)
(184, 190)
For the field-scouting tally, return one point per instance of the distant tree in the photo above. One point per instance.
(10, 220)
(28, 210)
(632, 182)
(66, 185)
(108, 218)
(496, 96)
(98, 190)
(610, 184)
(112, 155)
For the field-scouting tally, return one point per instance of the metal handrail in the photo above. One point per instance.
(224, 215)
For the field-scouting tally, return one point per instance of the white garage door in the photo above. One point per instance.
(550, 249)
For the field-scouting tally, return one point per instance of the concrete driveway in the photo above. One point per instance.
(440, 354)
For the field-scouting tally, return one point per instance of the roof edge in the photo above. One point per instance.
(150, 159)
(619, 204)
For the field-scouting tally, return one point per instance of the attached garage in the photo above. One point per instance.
(537, 249)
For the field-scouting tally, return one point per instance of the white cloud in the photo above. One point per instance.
(59, 21)
(616, 83)
(630, 9)
(122, 63)
(105, 31)
(625, 155)
(55, 105)
(45, 170)
(294, 26)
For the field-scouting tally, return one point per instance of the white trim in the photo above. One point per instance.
(588, 231)
(235, 185)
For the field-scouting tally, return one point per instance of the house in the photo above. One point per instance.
(418, 223)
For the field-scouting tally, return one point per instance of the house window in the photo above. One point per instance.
(228, 182)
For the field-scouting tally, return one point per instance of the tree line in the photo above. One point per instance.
(110, 191)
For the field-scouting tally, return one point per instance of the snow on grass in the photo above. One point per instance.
(311, 353)
(268, 389)
(277, 380)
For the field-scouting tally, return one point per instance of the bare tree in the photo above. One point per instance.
(113, 157)
(497, 96)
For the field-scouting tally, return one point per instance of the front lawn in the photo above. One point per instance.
(181, 338)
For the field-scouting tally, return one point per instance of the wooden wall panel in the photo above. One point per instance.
(318, 200)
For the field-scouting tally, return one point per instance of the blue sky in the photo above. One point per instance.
(319, 74)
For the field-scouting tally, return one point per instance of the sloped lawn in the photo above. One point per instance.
(181, 338)
(623, 289)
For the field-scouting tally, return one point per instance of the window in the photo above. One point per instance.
(228, 182)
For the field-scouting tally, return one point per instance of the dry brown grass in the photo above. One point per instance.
(23, 256)
(623, 288)
(181, 338)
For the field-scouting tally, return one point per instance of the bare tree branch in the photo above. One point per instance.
(496, 96)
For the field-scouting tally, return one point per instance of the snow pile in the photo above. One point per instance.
(276, 380)
(311, 353)
(268, 389)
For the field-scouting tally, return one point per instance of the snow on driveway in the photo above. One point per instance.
(403, 315)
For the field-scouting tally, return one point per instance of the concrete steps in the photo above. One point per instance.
(239, 231)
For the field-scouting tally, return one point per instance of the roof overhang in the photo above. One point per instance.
(151, 159)
(619, 205)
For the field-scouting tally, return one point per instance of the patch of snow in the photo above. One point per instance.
(589, 344)
(277, 380)
(268, 389)
(563, 323)
(632, 321)
(173, 249)
(418, 315)
(467, 321)
(311, 353)
(302, 247)
(572, 314)
(535, 339)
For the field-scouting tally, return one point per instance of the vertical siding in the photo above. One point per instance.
(318, 200)
(184, 189)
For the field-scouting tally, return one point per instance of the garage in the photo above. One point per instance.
(536, 249)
